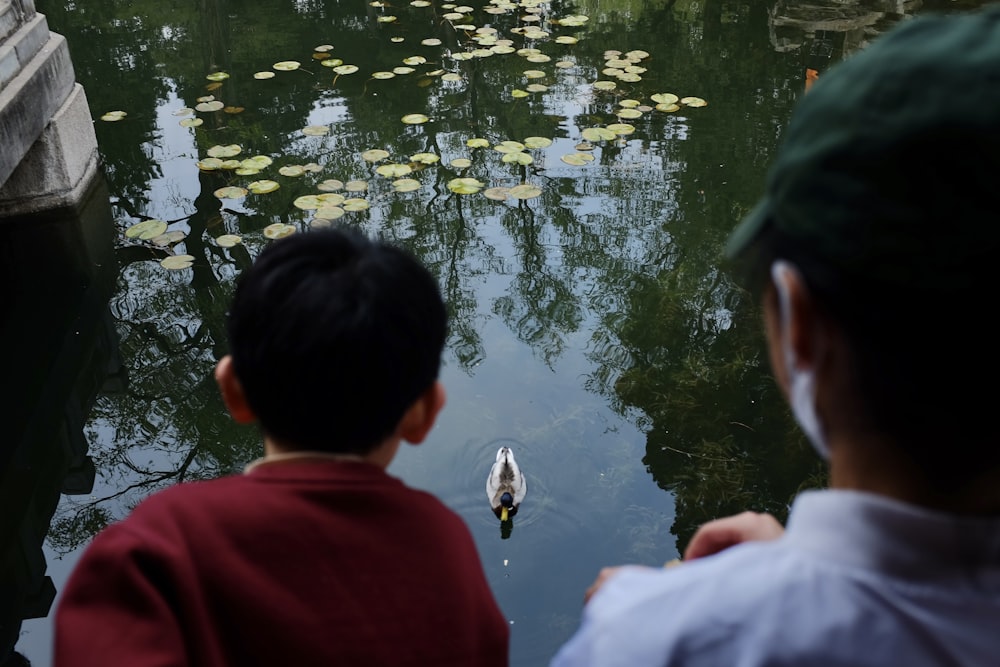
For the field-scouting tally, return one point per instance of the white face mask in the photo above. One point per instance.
(801, 383)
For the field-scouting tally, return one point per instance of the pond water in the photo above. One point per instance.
(593, 327)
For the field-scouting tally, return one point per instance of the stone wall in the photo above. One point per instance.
(48, 149)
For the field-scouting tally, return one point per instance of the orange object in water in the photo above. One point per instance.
(811, 76)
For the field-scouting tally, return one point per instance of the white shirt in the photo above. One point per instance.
(857, 579)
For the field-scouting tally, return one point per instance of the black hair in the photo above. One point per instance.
(333, 337)
(922, 359)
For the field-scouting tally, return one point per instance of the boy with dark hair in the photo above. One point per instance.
(315, 555)
(872, 252)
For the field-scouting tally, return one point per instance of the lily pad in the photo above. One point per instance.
(278, 230)
(406, 185)
(346, 69)
(146, 229)
(621, 128)
(217, 76)
(598, 134)
(286, 65)
(374, 155)
(209, 164)
(168, 238)
(477, 142)
(664, 98)
(330, 185)
(393, 170)
(525, 191)
(307, 202)
(329, 213)
(114, 116)
(461, 163)
(496, 194)
(224, 151)
(383, 75)
(415, 119)
(315, 130)
(356, 186)
(518, 157)
(355, 204)
(214, 105)
(263, 187)
(537, 142)
(693, 102)
(509, 147)
(264, 75)
(465, 186)
(605, 85)
(176, 262)
(228, 240)
(231, 192)
(292, 170)
(577, 159)
(425, 158)
(257, 162)
(190, 122)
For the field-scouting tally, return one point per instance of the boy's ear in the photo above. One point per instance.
(232, 392)
(420, 418)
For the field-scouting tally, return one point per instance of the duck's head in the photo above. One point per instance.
(506, 503)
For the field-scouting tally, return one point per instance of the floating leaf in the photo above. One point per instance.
(538, 58)
(355, 204)
(629, 113)
(330, 199)
(292, 170)
(146, 229)
(315, 130)
(286, 65)
(566, 39)
(217, 76)
(430, 41)
(332, 62)
(264, 75)
(386, 19)
(231, 192)
(664, 98)
(415, 119)
(476, 142)
(584, 146)
(231, 109)
(205, 98)
(278, 230)
(383, 75)
(577, 159)
(537, 142)
(517, 93)
(323, 48)
(668, 107)
(209, 164)
(536, 88)
(597, 134)
(356, 186)
(403, 70)
(629, 104)
(452, 76)
(263, 187)
(257, 162)
(465, 186)
(509, 147)
(565, 64)
(374, 155)
(518, 158)
(414, 60)
(345, 69)
(214, 105)
(461, 163)
(183, 111)
(329, 213)
(224, 151)
(406, 185)
(605, 85)
(534, 74)
(621, 128)
(330, 185)
(496, 194)
(168, 238)
(176, 262)
(525, 191)
(114, 116)
(228, 240)
(307, 202)
(425, 158)
(191, 122)
(393, 170)
(629, 77)
(693, 102)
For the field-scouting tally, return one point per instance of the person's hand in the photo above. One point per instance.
(602, 577)
(720, 534)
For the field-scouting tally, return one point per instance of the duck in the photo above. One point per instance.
(505, 487)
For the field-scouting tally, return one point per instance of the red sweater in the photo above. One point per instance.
(296, 563)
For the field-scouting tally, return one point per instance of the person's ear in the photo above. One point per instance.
(232, 392)
(421, 416)
(792, 327)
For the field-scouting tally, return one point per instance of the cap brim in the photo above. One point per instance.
(749, 228)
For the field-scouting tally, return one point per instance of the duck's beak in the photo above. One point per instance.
(503, 514)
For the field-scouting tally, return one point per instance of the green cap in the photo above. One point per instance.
(889, 171)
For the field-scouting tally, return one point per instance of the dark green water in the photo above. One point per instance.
(593, 328)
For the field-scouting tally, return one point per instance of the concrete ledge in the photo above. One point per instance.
(60, 166)
(16, 52)
(33, 97)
